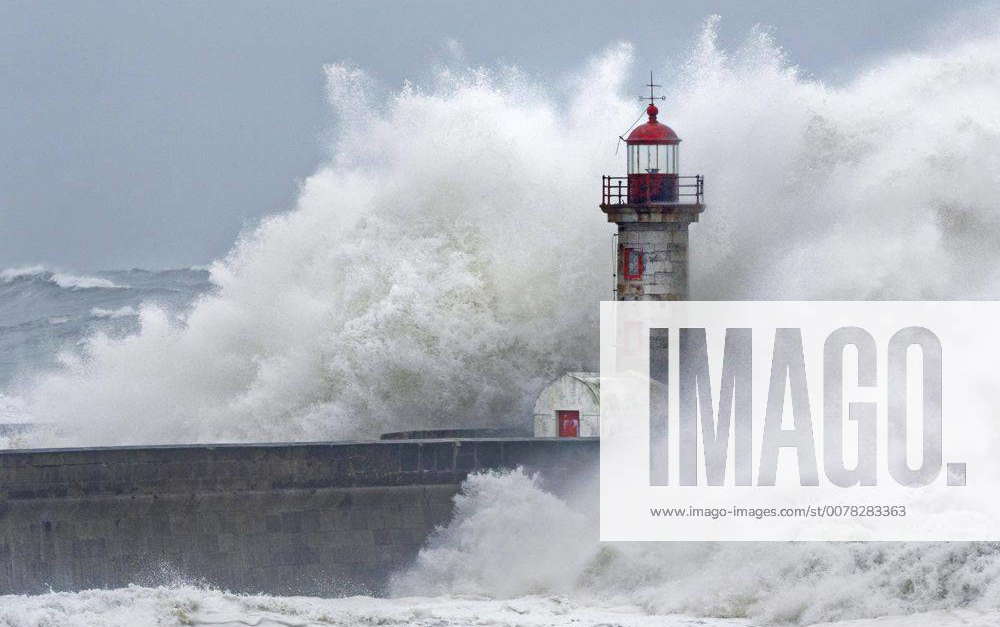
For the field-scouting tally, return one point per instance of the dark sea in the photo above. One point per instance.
(45, 313)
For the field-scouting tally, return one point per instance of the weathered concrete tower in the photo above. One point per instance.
(652, 207)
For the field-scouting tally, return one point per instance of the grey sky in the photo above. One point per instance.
(147, 134)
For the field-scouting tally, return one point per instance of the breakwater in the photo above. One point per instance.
(310, 518)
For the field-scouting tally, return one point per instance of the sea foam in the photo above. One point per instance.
(447, 260)
(509, 538)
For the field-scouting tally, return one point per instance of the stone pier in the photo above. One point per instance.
(317, 518)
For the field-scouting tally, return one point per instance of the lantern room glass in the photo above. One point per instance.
(652, 159)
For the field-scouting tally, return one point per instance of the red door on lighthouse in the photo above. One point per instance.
(569, 423)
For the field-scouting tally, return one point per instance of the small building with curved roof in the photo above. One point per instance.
(569, 407)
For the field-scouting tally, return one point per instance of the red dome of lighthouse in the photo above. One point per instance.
(652, 132)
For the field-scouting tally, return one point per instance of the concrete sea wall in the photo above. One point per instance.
(316, 518)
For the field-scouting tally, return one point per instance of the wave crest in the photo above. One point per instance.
(61, 279)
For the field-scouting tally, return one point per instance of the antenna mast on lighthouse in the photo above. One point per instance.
(651, 85)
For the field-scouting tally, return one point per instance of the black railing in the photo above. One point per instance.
(686, 190)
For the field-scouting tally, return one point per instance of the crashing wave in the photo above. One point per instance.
(509, 538)
(439, 276)
(62, 279)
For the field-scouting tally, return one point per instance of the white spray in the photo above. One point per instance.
(509, 538)
(449, 257)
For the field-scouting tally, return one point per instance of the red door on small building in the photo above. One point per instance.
(569, 423)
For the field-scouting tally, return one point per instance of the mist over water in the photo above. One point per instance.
(447, 261)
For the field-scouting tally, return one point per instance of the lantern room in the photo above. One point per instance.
(652, 161)
(653, 169)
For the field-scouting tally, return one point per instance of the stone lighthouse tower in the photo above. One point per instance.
(652, 206)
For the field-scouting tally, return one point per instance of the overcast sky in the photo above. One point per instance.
(147, 134)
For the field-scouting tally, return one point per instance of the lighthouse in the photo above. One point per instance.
(652, 206)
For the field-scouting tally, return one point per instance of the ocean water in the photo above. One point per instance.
(440, 277)
(185, 605)
(45, 314)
